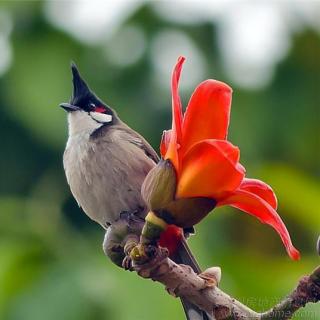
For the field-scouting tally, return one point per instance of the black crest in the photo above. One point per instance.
(82, 95)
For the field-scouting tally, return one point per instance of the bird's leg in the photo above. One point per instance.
(131, 241)
(134, 215)
(121, 236)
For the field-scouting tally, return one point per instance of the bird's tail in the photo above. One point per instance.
(183, 255)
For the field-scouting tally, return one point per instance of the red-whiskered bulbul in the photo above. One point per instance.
(106, 162)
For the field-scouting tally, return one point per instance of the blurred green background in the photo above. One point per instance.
(51, 261)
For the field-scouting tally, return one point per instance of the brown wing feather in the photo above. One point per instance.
(136, 139)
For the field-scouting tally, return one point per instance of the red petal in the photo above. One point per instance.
(256, 206)
(170, 238)
(208, 112)
(209, 170)
(260, 189)
(165, 140)
(176, 135)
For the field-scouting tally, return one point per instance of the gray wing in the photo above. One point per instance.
(136, 139)
(122, 160)
(129, 135)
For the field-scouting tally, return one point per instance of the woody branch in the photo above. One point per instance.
(202, 289)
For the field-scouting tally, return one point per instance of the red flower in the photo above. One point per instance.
(206, 164)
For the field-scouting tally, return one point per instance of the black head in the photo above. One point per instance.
(83, 98)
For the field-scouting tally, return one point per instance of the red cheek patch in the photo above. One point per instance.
(100, 109)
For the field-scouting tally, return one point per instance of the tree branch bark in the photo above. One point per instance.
(202, 290)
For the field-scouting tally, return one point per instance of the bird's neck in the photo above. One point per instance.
(81, 123)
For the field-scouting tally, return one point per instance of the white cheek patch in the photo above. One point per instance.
(101, 117)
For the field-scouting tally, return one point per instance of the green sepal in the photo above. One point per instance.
(186, 212)
(151, 233)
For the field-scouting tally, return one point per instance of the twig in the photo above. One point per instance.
(307, 290)
(202, 290)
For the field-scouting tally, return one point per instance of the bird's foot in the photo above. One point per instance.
(127, 263)
(142, 253)
(131, 242)
(130, 216)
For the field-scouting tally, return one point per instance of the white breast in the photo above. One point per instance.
(105, 178)
(81, 122)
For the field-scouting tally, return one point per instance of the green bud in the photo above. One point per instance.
(159, 187)
(158, 191)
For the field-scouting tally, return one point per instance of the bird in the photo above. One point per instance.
(105, 163)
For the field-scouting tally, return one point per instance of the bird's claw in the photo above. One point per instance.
(141, 253)
(127, 263)
(130, 216)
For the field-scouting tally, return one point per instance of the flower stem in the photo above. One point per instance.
(152, 229)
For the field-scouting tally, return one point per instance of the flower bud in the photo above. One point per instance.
(158, 191)
(159, 186)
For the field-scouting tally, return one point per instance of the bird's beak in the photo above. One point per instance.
(69, 107)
